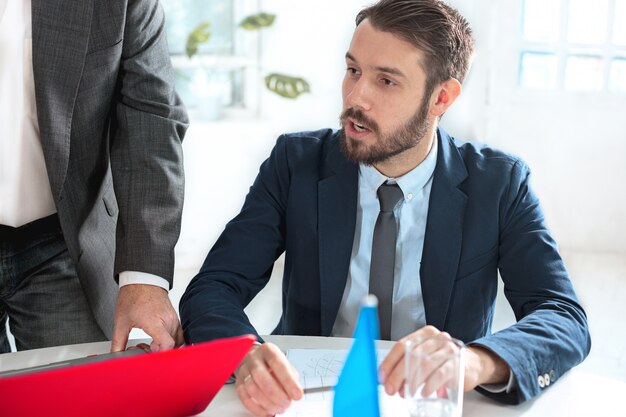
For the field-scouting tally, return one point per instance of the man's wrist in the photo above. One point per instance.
(254, 347)
(233, 378)
(488, 367)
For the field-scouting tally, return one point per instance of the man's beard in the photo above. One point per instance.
(405, 137)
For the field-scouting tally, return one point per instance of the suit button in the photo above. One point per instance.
(552, 376)
(541, 381)
(546, 379)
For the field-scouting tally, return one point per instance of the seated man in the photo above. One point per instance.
(453, 214)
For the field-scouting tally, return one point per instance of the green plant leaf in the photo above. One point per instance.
(257, 21)
(201, 34)
(286, 86)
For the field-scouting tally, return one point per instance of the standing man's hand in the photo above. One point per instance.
(266, 382)
(146, 307)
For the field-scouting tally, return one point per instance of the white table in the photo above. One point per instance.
(576, 394)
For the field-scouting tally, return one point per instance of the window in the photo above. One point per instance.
(217, 75)
(184, 15)
(573, 45)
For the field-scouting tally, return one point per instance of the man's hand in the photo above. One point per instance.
(266, 382)
(146, 307)
(481, 365)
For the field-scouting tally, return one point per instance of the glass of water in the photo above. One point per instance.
(434, 374)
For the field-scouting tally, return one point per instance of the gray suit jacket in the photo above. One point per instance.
(111, 128)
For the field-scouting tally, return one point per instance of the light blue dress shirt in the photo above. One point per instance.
(411, 213)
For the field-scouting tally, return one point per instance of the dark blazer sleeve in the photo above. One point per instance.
(240, 263)
(551, 335)
(148, 125)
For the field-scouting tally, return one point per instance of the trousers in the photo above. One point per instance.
(40, 293)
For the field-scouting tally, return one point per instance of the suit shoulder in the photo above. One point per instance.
(310, 138)
(313, 144)
(481, 157)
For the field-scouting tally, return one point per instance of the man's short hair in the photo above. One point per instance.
(436, 29)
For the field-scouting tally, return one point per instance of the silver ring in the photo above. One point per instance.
(249, 376)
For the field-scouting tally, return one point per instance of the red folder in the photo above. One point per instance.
(173, 383)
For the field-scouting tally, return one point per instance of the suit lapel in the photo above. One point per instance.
(60, 38)
(442, 242)
(337, 201)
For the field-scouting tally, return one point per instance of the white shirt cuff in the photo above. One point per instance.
(135, 277)
(499, 388)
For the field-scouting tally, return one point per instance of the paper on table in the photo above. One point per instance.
(320, 368)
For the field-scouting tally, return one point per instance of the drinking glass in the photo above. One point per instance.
(434, 374)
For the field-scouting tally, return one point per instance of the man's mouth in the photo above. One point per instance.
(359, 127)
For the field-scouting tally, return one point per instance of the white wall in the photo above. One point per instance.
(308, 39)
(575, 143)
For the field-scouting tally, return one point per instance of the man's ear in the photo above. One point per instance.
(445, 94)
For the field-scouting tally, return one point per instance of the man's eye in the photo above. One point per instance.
(387, 81)
(352, 71)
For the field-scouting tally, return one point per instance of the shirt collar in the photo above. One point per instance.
(411, 182)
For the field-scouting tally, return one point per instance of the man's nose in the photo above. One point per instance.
(359, 96)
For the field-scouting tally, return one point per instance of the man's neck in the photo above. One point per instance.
(404, 162)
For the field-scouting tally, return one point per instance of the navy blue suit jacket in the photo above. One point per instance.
(483, 218)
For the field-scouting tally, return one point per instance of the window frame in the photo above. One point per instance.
(512, 36)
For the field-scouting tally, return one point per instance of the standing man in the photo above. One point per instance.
(392, 205)
(91, 174)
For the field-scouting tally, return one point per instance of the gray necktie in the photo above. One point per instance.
(384, 255)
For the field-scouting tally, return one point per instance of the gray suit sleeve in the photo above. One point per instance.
(149, 122)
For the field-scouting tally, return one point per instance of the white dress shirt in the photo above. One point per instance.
(25, 193)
